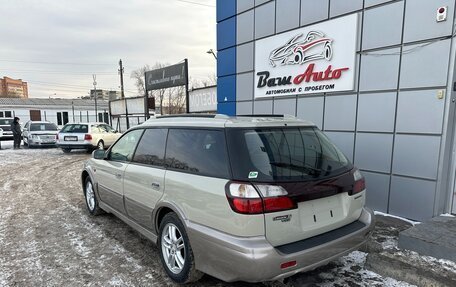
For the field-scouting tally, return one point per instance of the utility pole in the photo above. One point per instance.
(121, 71)
(122, 94)
(187, 95)
(95, 95)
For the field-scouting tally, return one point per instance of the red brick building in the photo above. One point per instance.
(11, 88)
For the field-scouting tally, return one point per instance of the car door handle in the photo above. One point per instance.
(155, 185)
(118, 175)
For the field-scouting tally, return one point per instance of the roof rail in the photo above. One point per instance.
(268, 116)
(262, 116)
(209, 116)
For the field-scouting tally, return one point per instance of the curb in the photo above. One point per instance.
(410, 269)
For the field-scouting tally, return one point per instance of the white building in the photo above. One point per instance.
(58, 111)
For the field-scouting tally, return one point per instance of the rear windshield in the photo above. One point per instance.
(283, 154)
(43, 127)
(6, 121)
(75, 128)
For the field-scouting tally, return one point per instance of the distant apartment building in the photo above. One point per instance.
(11, 88)
(104, 94)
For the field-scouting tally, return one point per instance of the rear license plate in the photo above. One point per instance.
(71, 139)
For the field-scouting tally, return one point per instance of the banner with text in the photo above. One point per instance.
(167, 77)
(315, 59)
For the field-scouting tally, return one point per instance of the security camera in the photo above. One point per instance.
(442, 13)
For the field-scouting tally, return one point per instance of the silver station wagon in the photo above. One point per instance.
(239, 198)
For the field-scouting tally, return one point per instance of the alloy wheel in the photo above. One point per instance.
(90, 196)
(173, 248)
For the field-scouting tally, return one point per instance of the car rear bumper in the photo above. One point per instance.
(7, 135)
(232, 258)
(41, 143)
(74, 146)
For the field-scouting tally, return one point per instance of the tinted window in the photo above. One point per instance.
(124, 148)
(75, 128)
(107, 128)
(6, 121)
(283, 154)
(96, 130)
(197, 151)
(43, 127)
(151, 148)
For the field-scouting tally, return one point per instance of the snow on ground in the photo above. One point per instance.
(47, 238)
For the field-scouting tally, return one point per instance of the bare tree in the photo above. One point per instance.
(171, 100)
(211, 80)
(138, 75)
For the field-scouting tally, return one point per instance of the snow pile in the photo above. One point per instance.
(397, 217)
(347, 271)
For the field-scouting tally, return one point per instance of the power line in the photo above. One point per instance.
(57, 63)
(196, 3)
(52, 72)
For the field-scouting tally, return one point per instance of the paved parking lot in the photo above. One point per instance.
(48, 239)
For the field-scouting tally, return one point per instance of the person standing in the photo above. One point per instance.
(17, 133)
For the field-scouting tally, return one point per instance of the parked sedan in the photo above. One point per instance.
(88, 136)
(38, 133)
(5, 125)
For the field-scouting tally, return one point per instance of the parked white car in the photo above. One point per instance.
(88, 136)
(39, 133)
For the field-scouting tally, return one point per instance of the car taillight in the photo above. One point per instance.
(360, 183)
(88, 137)
(246, 198)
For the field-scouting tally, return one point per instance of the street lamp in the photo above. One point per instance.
(96, 95)
(210, 51)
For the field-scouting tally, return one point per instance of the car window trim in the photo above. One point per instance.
(347, 168)
(164, 155)
(134, 151)
(198, 173)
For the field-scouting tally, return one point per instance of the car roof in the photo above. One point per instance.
(40, 122)
(223, 121)
(87, 123)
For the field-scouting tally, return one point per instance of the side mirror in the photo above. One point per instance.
(99, 154)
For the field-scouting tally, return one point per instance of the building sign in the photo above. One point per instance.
(315, 59)
(203, 100)
(167, 77)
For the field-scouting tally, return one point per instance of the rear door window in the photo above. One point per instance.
(151, 148)
(196, 151)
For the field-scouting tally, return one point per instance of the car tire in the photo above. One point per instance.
(91, 198)
(328, 51)
(66, 150)
(100, 145)
(176, 255)
(298, 56)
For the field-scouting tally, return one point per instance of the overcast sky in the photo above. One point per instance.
(56, 46)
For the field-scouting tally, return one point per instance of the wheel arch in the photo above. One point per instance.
(163, 209)
(85, 174)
